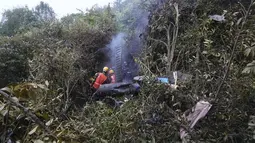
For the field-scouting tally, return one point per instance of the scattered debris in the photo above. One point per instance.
(163, 80)
(219, 18)
(197, 112)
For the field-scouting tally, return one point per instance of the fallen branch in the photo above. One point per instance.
(27, 111)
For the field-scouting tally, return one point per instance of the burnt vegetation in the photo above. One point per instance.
(46, 64)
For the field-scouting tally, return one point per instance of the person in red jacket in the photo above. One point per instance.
(101, 78)
(112, 76)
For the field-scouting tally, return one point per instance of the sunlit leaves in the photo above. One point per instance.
(239, 21)
(250, 68)
(33, 130)
(38, 141)
(26, 91)
(2, 106)
(249, 51)
(49, 122)
(208, 43)
(249, 45)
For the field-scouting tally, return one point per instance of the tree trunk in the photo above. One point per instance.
(199, 47)
(171, 48)
(168, 51)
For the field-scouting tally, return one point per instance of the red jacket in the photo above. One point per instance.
(113, 78)
(101, 78)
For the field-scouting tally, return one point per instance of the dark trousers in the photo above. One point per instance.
(97, 96)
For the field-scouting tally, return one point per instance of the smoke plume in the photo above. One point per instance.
(127, 45)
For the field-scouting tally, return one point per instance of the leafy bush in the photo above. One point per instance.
(61, 55)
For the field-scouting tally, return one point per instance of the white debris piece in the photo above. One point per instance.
(220, 18)
(197, 112)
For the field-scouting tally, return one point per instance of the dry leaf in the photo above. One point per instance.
(33, 131)
(47, 83)
(2, 107)
(38, 141)
(7, 89)
(49, 122)
(15, 99)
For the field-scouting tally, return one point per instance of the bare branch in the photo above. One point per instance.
(160, 41)
(233, 51)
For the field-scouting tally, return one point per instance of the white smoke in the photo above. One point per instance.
(129, 42)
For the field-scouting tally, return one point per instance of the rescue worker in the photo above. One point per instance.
(101, 78)
(112, 76)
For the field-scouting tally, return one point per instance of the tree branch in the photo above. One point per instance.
(26, 111)
(233, 51)
(160, 41)
(171, 49)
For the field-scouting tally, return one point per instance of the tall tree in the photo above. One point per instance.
(16, 20)
(44, 12)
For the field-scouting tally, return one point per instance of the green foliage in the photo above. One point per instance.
(14, 54)
(32, 96)
(20, 20)
(44, 12)
(130, 14)
(61, 55)
(100, 18)
(248, 43)
(16, 20)
(204, 49)
(250, 68)
(27, 91)
(13, 67)
(68, 20)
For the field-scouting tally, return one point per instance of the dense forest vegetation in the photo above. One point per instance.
(46, 64)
